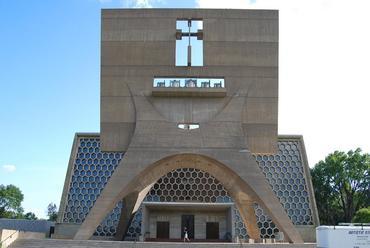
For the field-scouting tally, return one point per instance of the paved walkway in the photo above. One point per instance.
(57, 243)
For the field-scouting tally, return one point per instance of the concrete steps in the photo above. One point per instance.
(58, 243)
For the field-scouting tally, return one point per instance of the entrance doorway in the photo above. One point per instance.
(212, 230)
(188, 222)
(163, 230)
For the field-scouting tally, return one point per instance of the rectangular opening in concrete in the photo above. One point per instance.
(189, 42)
(188, 126)
(188, 87)
(181, 82)
(190, 215)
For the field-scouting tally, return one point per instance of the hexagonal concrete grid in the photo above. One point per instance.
(92, 169)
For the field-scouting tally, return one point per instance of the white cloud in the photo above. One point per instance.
(132, 3)
(142, 3)
(268, 4)
(9, 167)
(104, 1)
(230, 4)
(324, 78)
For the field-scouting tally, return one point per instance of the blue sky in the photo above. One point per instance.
(49, 89)
(50, 68)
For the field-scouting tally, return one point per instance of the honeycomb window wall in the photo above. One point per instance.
(92, 169)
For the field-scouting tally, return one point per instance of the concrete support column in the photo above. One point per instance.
(231, 221)
(252, 226)
(144, 222)
(128, 204)
(249, 218)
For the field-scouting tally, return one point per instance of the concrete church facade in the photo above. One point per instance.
(188, 139)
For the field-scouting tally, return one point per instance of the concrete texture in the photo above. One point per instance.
(189, 92)
(65, 230)
(126, 213)
(239, 45)
(308, 233)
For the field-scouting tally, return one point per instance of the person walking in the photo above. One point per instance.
(186, 236)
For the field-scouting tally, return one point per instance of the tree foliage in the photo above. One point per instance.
(11, 198)
(52, 212)
(342, 185)
(30, 216)
(362, 216)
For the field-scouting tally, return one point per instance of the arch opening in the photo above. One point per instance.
(189, 185)
(238, 188)
(244, 207)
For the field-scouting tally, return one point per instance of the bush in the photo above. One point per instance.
(362, 216)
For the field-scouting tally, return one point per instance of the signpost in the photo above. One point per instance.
(343, 236)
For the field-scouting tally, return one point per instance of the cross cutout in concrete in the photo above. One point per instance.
(180, 34)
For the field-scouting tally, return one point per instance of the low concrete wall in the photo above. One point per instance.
(7, 237)
(31, 235)
(65, 230)
(308, 233)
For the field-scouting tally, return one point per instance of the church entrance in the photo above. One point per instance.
(163, 230)
(187, 223)
(167, 221)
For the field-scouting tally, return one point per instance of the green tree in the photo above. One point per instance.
(30, 216)
(362, 216)
(11, 198)
(52, 212)
(341, 184)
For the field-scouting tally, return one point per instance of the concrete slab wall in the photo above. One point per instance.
(239, 45)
